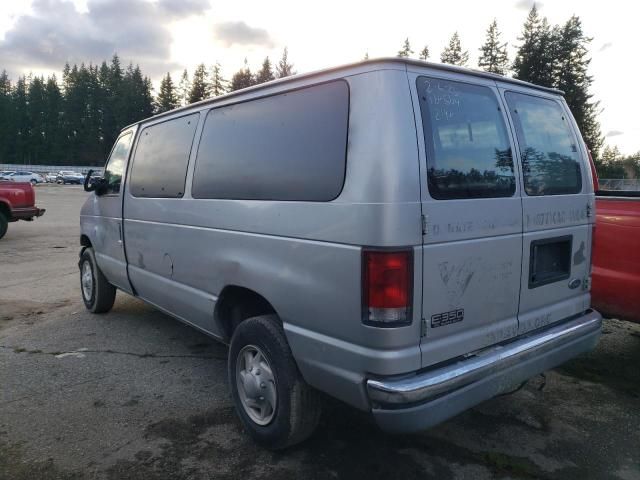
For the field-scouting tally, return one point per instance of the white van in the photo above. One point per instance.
(410, 238)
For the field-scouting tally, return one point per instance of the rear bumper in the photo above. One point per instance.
(26, 213)
(418, 401)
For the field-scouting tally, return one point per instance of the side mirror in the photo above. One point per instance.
(89, 186)
(97, 185)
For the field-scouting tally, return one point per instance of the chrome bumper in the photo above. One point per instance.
(425, 386)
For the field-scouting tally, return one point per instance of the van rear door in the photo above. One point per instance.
(557, 202)
(472, 246)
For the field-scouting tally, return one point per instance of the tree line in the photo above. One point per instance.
(76, 121)
(612, 164)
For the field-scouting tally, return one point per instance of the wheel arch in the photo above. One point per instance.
(5, 208)
(85, 241)
(235, 304)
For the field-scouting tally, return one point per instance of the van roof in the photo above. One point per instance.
(380, 61)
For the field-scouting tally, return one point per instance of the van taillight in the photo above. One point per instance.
(387, 286)
(594, 172)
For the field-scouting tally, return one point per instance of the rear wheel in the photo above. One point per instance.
(97, 293)
(275, 404)
(33, 182)
(4, 224)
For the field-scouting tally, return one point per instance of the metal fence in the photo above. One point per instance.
(42, 169)
(622, 184)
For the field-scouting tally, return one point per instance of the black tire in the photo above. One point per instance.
(33, 182)
(4, 224)
(298, 406)
(102, 294)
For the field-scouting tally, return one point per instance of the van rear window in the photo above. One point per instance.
(289, 146)
(467, 146)
(549, 151)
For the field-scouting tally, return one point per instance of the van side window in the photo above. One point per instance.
(548, 148)
(161, 158)
(466, 140)
(290, 146)
(115, 166)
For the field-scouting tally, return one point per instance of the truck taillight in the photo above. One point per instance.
(593, 245)
(387, 286)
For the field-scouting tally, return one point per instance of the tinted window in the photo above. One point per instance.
(290, 146)
(161, 158)
(550, 161)
(468, 151)
(115, 166)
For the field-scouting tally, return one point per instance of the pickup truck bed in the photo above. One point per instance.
(616, 258)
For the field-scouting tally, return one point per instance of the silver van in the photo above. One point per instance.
(409, 238)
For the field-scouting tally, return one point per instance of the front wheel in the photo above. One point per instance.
(275, 404)
(97, 293)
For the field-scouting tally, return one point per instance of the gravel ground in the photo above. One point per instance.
(137, 395)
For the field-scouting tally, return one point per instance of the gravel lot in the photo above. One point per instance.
(137, 395)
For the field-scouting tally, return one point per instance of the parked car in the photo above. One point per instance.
(5, 175)
(24, 176)
(17, 202)
(51, 177)
(616, 258)
(367, 231)
(65, 177)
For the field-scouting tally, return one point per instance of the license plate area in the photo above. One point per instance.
(550, 260)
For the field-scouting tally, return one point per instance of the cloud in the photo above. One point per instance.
(614, 133)
(55, 32)
(183, 8)
(239, 33)
(605, 46)
(527, 4)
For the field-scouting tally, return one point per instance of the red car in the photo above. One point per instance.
(17, 202)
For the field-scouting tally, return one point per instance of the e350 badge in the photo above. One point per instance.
(447, 318)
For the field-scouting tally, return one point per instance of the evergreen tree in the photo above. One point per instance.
(571, 76)
(6, 124)
(265, 74)
(199, 85)
(19, 143)
(110, 79)
(184, 87)
(53, 130)
(242, 78)
(218, 85)
(453, 53)
(284, 68)
(424, 53)
(535, 60)
(167, 98)
(405, 51)
(493, 57)
(36, 123)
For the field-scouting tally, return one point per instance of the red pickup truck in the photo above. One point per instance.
(616, 258)
(17, 202)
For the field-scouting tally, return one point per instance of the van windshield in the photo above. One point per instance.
(467, 146)
(549, 151)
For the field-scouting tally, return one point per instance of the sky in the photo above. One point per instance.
(39, 36)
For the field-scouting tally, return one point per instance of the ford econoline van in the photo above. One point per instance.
(407, 237)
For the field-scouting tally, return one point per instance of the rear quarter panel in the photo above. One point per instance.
(616, 260)
(17, 195)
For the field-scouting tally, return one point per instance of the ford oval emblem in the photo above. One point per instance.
(575, 283)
